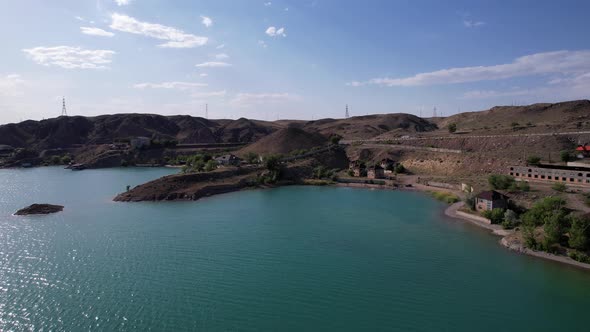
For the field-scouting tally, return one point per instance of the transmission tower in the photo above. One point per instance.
(206, 111)
(346, 113)
(434, 112)
(63, 107)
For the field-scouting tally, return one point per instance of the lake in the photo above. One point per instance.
(286, 259)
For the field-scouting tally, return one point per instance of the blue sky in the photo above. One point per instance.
(301, 59)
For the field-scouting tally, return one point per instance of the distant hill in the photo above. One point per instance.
(286, 140)
(77, 130)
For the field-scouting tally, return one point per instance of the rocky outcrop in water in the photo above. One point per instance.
(39, 209)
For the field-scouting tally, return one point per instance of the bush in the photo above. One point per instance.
(510, 219)
(533, 160)
(335, 139)
(124, 163)
(210, 165)
(579, 233)
(470, 202)
(544, 209)
(350, 172)
(559, 186)
(445, 197)
(525, 186)
(579, 256)
(495, 215)
(452, 127)
(66, 159)
(501, 182)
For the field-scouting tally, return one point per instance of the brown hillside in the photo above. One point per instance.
(285, 141)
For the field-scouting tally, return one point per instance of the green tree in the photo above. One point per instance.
(495, 215)
(66, 159)
(510, 219)
(533, 160)
(543, 209)
(565, 156)
(579, 233)
(452, 127)
(554, 229)
(55, 160)
(525, 186)
(499, 181)
(335, 139)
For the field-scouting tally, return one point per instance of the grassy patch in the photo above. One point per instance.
(445, 197)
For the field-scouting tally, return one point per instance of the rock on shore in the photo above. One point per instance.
(39, 209)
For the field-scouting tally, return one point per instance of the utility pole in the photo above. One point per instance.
(63, 107)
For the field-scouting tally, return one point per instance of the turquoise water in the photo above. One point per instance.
(294, 258)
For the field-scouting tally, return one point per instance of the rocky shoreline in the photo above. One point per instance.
(39, 209)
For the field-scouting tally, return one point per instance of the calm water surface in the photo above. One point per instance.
(297, 258)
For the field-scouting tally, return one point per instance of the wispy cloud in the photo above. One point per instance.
(96, 32)
(170, 85)
(276, 32)
(123, 2)
(203, 74)
(559, 62)
(221, 56)
(267, 4)
(10, 85)
(70, 57)
(262, 43)
(253, 99)
(211, 94)
(220, 46)
(213, 64)
(473, 24)
(175, 38)
(207, 21)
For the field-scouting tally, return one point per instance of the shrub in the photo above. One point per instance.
(559, 186)
(350, 172)
(470, 202)
(335, 139)
(499, 181)
(533, 160)
(448, 198)
(251, 158)
(495, 215)
(579, 256)
(66, 159)
(452, 127)
(510, 219)
(210, 165)
(544, 209)
(124, 163)
(579, 233)
(525, 186)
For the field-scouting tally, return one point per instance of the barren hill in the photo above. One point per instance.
(286, 140)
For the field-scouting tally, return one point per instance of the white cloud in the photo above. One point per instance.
(274, 32)
(10, 85)
(175, 38)
(473, 24)
(70, 57)
(267, 4)
(170, 85)
(207, 21)
(211, 94)
(221, 56)
(123, 2)
(79, 18)
(262, 43)
(220, 46)
(559, 62)
(96, 32)
(253, 99)
(213, 64)
(203, 74)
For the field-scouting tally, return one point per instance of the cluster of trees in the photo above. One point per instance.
(560, 227)
(273, 166)
(452, 127)
(507, 182)
(163, 143)
(322, 172)
(198, 163)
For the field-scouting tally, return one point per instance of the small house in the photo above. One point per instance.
(227, 159)
(376, 172)
(387, 165)
(489, 200)
(354, 164)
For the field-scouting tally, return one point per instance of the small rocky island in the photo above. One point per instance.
(39, 209)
